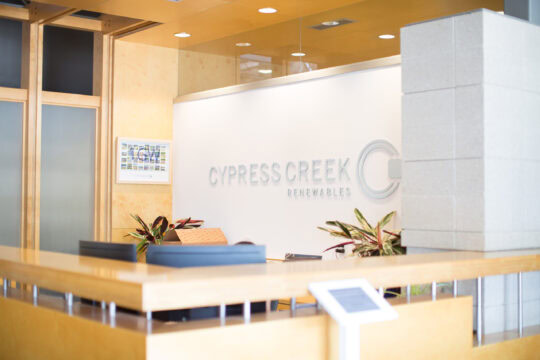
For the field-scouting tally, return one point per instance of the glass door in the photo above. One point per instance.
(67, 177)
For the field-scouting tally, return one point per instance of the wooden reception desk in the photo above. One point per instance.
(47, 328)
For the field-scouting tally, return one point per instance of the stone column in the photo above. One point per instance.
(471, 145)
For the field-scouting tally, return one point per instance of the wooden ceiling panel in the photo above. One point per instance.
(206, 19)
(344, 44)
(163, 11)
(217, 25)
(233, 18)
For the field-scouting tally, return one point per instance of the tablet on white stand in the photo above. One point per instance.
(351, 303)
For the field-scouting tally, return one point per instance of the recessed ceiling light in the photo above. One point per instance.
(386, 36)
(330, 23)
(243, 44)
(298, 54)
(182, 35)
(267, 10)
(265, 71)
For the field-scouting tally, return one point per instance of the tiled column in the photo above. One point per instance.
(471, 143)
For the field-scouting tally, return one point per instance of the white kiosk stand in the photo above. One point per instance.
(351, 303)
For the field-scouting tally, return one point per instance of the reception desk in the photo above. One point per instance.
(37, 324)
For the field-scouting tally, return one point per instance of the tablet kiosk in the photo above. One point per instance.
(351, 303)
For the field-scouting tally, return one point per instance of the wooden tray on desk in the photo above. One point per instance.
(210, 236)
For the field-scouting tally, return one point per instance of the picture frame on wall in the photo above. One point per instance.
(143, 161)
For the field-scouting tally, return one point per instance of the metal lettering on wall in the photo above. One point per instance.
(316, 179)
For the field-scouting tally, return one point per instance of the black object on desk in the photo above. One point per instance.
(299, 257)
(104, 250)
(114, 251)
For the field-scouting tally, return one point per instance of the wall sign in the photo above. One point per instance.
(315, 179)
(143, 161)
(394, 169)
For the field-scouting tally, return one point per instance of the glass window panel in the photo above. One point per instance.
(10, 53)
(10, 172)
(68, 57)
(67, 177)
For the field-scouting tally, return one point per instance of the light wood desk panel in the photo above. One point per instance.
(38, 332)
(423, 330)
(148, 287)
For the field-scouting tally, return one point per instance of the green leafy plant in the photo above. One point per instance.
(155, 232)
(367, 240)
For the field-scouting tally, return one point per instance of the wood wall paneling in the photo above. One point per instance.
(203, 71)
(78, 23)
(13, 94)
(74, 100)
(103, 67)
(145, 84)
(12, 12)
(50, 14)
(32, 74)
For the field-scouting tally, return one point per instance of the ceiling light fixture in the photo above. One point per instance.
(182, 35)
(386, 36)
(243, 44)
(330, 23)
(299, 52)
(265, 71)
(267, 10)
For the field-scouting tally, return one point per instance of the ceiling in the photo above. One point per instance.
(206, 19)
(217, 25)
(344, 44)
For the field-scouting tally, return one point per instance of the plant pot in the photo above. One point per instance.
(396, 290)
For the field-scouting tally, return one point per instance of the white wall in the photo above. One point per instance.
(328, 118)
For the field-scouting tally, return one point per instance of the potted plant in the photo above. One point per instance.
(155, 232)
(366, 239)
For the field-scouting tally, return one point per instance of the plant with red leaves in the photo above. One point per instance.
(155, 233)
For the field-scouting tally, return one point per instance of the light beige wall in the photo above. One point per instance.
(145, 84)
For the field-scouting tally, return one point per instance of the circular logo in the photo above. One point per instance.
(376, 145)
